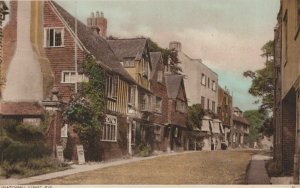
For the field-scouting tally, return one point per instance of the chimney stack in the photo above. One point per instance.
(174, 45)
(98, 23)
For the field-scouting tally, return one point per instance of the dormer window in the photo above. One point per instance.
(54, 37)
(129, 63)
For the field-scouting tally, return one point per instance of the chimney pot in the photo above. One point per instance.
(175, 45)
(97, 14)
(102, 14)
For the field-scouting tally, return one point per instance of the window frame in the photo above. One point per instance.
(160, 76)
(47, 44)
(158, 104)
(214, 85)
(202, 102)
(111, 86)
(104, 130)
(69, 74)
(203, 79)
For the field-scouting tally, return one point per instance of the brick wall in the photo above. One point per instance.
(175, 117)
(53, 134)
(288, 132)
(159, 89)
(111, 150)
(61, 58)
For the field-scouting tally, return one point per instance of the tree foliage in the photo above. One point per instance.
(195, 115)
(86, 109)
(256, 119)
(168, 56)
(262, 79)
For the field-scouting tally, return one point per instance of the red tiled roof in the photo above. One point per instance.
(20, 108)
(240, 119)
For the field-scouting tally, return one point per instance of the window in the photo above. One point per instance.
(180, 106)
(145, 102)
(213, 106)
(111, 86)
(160, 76)
(203, 79)
(109, 129)
(144, 68)
(129, 63)
(131, 95)
(214, 88)
(208, 104)
(54, 37)
(158, 104)
(208, 82)
(202, 102)
(234, 138)
(68, 77)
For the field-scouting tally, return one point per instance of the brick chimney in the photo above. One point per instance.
(98, 23)
(174, 45)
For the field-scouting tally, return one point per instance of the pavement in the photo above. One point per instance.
(257, 173)
(82, 168)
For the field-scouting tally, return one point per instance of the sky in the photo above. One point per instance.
(226, 34)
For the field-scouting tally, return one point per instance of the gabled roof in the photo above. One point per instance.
(237, 109)
(128, 48)
(173, 83)
(95, 44)
(154, 57)
(240, 119)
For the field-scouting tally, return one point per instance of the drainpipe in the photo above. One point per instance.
(297, 143)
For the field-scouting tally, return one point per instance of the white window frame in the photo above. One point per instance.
(214, 88)
(132, 95)
(46, 29)
(158, 104)
(111, 86)
(203, 79)
(110, 124)
(69, 80)
(180, 106)
(160, 76)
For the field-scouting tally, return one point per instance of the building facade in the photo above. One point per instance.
(201, 82)
(240, 129)
(225, 112)
(286, 106)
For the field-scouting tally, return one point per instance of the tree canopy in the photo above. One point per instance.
(262, 79)
(256, 119)
(195, 115)
(169, 56)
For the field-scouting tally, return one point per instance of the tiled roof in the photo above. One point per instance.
(240, 119)
(154, 57)
(94, 43)
(21, 109)
(128, 48)
(173, 83)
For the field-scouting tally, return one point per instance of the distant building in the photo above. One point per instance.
(225, 112)
(201, 82)
(240, 129)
